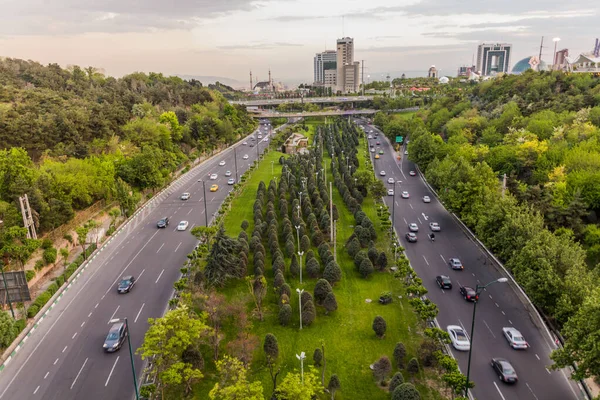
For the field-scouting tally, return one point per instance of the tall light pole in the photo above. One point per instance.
(300, 195)
(555, 40)
(205, 212)
(235, 162)
(301, 357)
(478, 290)
(394, 206)
(300, 291)
(300, 253)
(135, 385)
(298, 233)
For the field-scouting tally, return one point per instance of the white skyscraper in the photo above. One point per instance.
(324, 61)
(348, 78)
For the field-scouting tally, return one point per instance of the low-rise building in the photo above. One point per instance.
(295, 143)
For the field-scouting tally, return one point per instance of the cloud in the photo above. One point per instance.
(32, 17)
(412, 50)
(258, 46)
(514, 7)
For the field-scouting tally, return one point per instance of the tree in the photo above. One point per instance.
(396, 381)
(292, 388)
(305, 243)
(322, 288)
(381, 369)
(64, 253)
(379, 326)
(233, 382)
(406, 391)
(378, 189)
(285, 314)
(258, 289)
(271, 349)
(330, 303)
(7, 329)
(332, 272)
(413, 366)
(294, 267)
(318, 357)
(382, 261)
(308, 312)
(334, 385)
(313, 269)
(353, 247)
(366, 268)
(223, 262)
(82, 232)
(165, 341)
(399, 355)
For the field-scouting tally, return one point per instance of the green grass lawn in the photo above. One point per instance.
(350, 343)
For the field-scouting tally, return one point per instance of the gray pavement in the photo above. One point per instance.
(63, 358)
(499, 305)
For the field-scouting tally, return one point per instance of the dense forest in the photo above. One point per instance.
(543, 131)
(71, 137)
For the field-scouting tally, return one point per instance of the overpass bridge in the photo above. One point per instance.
(270, 114)
(301, 100)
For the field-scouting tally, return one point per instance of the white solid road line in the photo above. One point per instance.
(531, 390)
(411, 206)
(36, 389)
(79, 373)
(177, 248)
(55, 361)
(139, 312)
(159, 275)
(443, 259)
(47, 373)
(538, 357)
(489, 329)
(427, 262)
(191, 209)
(161, 246)
(498, 389)
(65, 349)
(73, 337)
(111, 371)
(113, 315)
(141, 273)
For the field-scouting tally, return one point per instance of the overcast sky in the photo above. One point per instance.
(230, 37)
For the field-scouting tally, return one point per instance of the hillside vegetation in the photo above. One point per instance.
(543, 131)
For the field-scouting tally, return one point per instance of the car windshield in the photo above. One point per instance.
(519, 339)
(507, 368)
(112, 336)
(124, 282)
(460, 335)
(446, 280)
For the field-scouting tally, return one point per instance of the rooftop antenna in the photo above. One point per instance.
(251, 80)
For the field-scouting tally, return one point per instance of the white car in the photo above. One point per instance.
(231, 181)
(412, 173)
(391, 180)
(426, 199)
(370, 137)
(390, 192)
(266, 139)
(245, 143)
(406, 152)
(413, 227)
(182, 226)
(405, 195)
(213, 177)
(382, 173)
(515, 338)
(245, 156)
(228, 173)
(260, 136)
(185, 196)
(372, 149)
(458, 337)
(222, 163)
(434, 226)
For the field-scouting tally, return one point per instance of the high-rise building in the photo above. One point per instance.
(493, 58)
(348, 78)
(324, 61)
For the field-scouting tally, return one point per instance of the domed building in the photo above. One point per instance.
(444, 80)
(532, 62)
(433, 72)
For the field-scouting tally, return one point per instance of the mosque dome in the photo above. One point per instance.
(532, 62)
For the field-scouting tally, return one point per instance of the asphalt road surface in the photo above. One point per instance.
(63, 358)
(498, 305)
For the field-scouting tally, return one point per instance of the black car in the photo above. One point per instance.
(505, 370)
(251, 144)
(443, 282)
(469, 293)
(411, 237)
(115, 338)
(126, 284)
(163, 222)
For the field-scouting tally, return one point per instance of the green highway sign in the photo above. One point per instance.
(399, 139)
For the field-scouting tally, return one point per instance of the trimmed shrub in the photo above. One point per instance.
(60, 280)
(382, 368)
(322, 288)
(285, 289)
(413, 366)
(285, 314)
(330, 303)
(382, 261)
(49, 255)
(306, 297)
(313, 269)
(318, 357)
(353, 247)
(396, 381)
(39, 264)
(29, 274)
(406, 391)
(294, 267)
(373, 254)
(399, 355)
(379, 326)
(245, 225)
(308, 312)
(279, 280)
(366, 268)
(46, 244)
(332, 272)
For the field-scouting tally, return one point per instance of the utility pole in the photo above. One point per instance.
(27, 217)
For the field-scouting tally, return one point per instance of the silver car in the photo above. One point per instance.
(185, 196)
(426, 199)
(115, 338)
(413, 227)
(515, 338)
(434, 226)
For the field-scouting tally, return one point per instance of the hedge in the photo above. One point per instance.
(29, 274)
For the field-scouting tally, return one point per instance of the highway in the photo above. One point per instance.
(498, 306)
(266, 102)
(63, 358)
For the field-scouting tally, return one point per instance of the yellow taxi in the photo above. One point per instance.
(377, 156)
(214, 188)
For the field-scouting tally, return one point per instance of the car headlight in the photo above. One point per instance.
(115, 345)
(105, 345)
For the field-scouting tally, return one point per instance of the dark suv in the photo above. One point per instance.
(115, 338)
(163, 222)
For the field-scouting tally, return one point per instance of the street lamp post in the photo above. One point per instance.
(298, 234)
(555, 40)
(394, 205)
(301, 253)
(478, 290)
(235, 162)
(205, 212)
(300, 291)
(135, 385)
(301, 357)
(300, 195)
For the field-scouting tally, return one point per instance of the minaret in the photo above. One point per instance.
(250, 80)
(270, 82)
